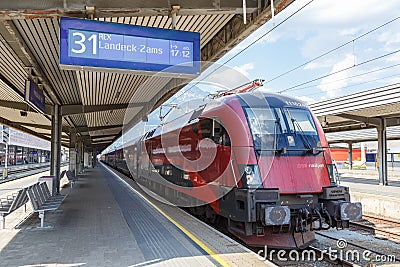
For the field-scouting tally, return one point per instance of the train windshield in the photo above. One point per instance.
(277, 128)
(300, 120)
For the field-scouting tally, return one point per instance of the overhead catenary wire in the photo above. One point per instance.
(357, 84)
(347, 78)
(247, 46)
(334, 49)
(304, 64)
(341, 70)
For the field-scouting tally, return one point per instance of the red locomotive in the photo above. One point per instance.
(255, 163)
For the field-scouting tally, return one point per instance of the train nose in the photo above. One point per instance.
(351, 211)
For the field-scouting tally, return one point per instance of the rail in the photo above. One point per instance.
(379, 227)
(21, 171)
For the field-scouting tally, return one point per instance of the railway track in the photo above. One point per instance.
(357, 254)
(336, 252)
(379, 227)
(17, 172)
(317, 254)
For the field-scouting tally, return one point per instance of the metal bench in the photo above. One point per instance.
(62, 174)
(71, 178)
(11, 203)
(42, 201)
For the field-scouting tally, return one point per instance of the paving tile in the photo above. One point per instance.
(98, 225)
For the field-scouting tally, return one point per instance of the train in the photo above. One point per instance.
(254, 163)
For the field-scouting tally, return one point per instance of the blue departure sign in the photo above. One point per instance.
(98, 44)
(34, 96)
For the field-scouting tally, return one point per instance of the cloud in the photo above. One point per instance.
(333, 83)
(244, 69)
(395, 80)
(321, 27)
(307, 99)
(395, 58)
(317, 65)
(269, 38)
(349, 31)
(332, 23)
(223, 77)
(351, 12)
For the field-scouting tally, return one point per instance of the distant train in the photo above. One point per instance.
(256, 164)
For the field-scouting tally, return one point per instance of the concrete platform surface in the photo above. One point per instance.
(104, 222)
(377, 200)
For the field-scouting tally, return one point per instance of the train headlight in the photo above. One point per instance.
(351, 211)
(250, 176)
(248, 170)
(249, 179)
(277, 215)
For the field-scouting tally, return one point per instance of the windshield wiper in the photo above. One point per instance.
(306, 143)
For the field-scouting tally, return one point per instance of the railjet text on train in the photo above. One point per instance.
(269, 178)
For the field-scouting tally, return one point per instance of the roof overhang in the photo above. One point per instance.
(92, 102)
(360, 111)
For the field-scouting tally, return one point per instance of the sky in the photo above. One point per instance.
(361, 59)
(315, 50)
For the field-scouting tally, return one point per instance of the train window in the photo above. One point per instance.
(214, 130)
(196, 113)
(195, 128)
(205, 128)
(220, 135)
(264, 127)
(168, 172)
(261, 121)
(281, 121)
(300, 120)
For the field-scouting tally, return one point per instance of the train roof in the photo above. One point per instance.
(261, 98)
(255, 98)
(250, 99)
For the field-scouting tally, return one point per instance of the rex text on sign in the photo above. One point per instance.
(129, 48)
(122, 46)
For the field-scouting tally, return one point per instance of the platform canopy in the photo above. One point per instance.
(93, 103)
(370, 115)
(355, 117)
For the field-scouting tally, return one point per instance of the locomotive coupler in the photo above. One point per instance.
(301, 220)
(319, 217)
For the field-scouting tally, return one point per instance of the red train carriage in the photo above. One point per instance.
(257, 163)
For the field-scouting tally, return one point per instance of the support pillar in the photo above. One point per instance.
(56, 129)
(94, 158)
(350, 155)
(80, 156)
(82, 152)
(363, 159)
(89, 157)
(382, 151)
(72, 151)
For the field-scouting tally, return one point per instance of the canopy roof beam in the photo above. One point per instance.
(11, 34)
(80, 109)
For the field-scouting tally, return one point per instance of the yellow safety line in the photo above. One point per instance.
(183, 229)
(190, 235)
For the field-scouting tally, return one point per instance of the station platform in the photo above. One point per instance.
(105, 221)
(371, 173)
(377, 200)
